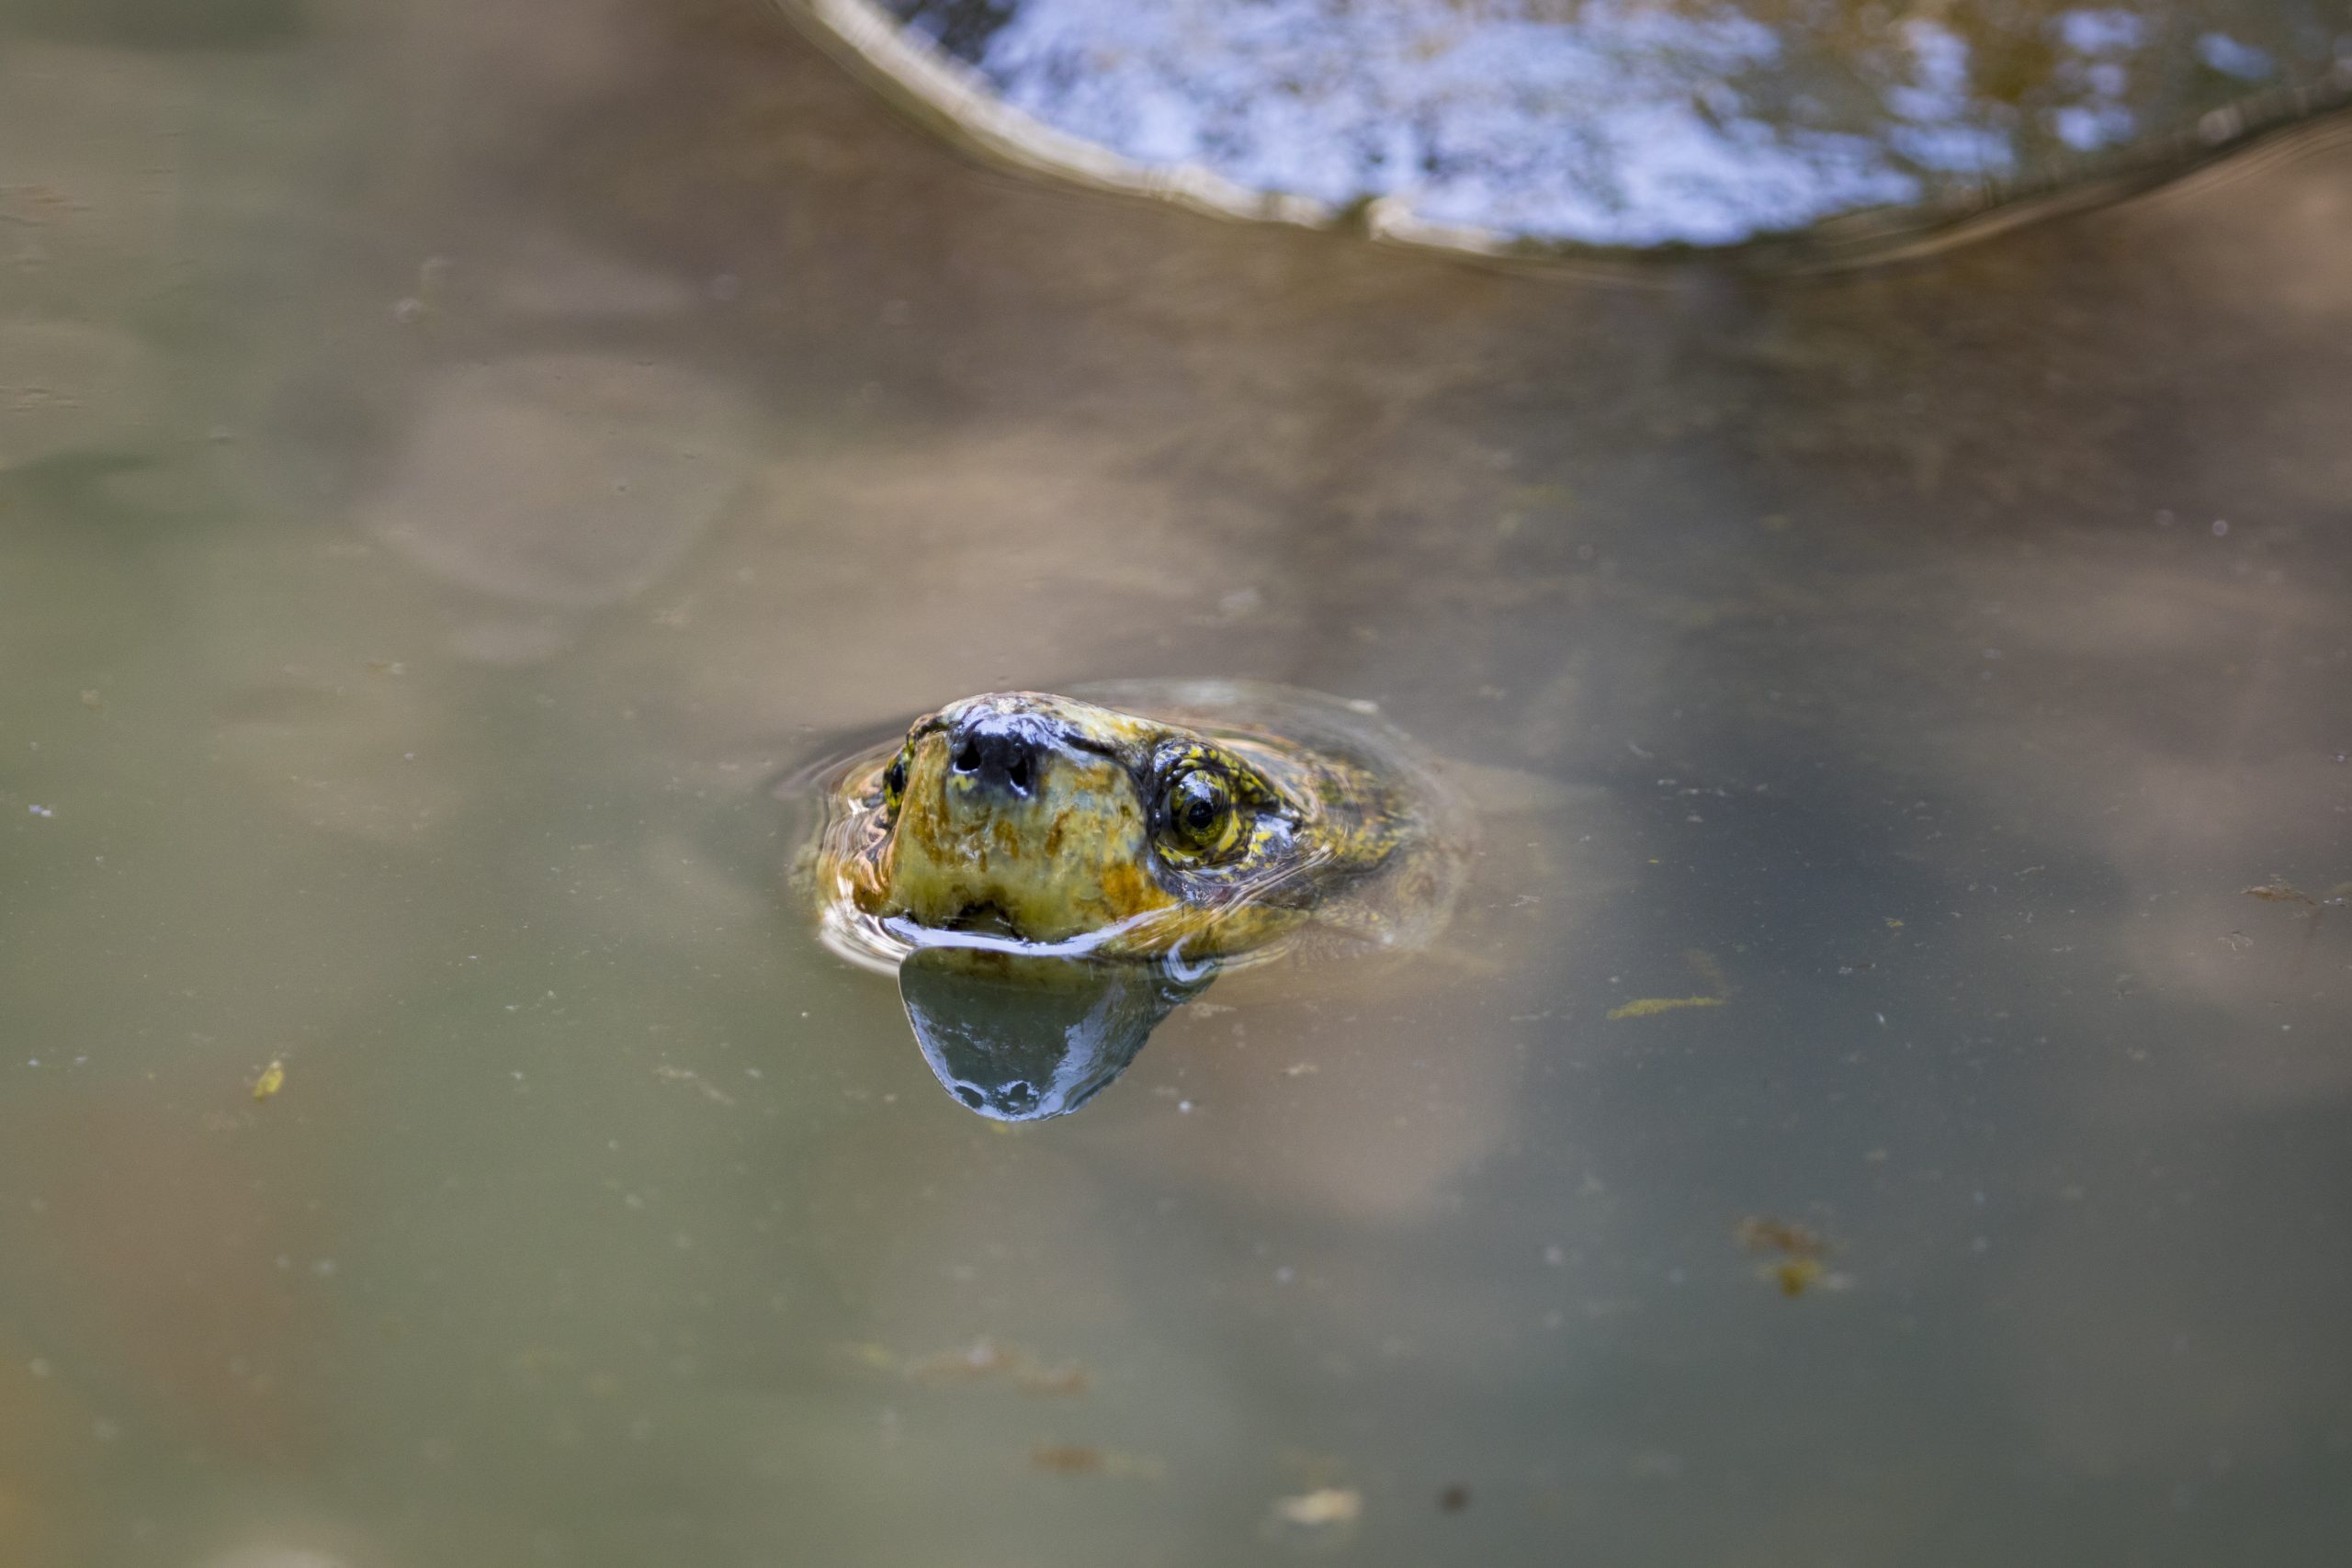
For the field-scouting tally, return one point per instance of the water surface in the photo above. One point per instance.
(454, 458)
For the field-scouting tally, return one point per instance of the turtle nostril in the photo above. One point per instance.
(998, 752)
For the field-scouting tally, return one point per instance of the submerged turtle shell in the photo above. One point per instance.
(1345, 837)
(1811, 136)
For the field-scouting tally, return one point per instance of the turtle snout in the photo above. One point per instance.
(999, 754)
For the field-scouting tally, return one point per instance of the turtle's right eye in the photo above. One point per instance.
(1198, 821)
(894, 780)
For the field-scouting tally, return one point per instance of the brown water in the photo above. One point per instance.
(453, 457)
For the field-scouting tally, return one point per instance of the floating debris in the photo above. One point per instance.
(982, 1360)
(1759, 1233)
(1649, 1006)
(1058, 1383)
(1795, 1275)
(868, 1354)
(271, 1080)
(1325, 1508)
(1066, 1459)
(1084, 1459)
(710, 1090)
(2278, 890)
(982, 1357)
(1711, 975)
(1799, 1267)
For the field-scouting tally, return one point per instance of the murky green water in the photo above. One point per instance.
(453, 457)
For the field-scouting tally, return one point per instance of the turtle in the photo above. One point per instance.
(1187, 823)
(1050, 876)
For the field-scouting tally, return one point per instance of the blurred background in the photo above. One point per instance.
(456, 458)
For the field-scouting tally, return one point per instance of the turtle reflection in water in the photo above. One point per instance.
(1051, 878)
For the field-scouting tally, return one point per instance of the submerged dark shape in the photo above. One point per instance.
(1020, 1038)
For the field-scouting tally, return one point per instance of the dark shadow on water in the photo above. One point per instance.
(1021, 1039)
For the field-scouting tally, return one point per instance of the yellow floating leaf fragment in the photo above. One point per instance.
(867, 1353)
(1648, 1006)
(977, 1360)
(1324, 1506)
(271, 1080)
(1053, 1381)
(1761, 1233)
(1084, 1459)
(1066, 1459)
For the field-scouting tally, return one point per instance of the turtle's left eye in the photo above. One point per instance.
(894, 780)
(1197, 816)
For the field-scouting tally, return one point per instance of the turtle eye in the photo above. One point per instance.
(894, 780)
(1197, 815)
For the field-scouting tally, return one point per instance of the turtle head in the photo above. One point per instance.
(1041, 820)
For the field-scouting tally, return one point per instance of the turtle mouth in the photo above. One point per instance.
(984, 918)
